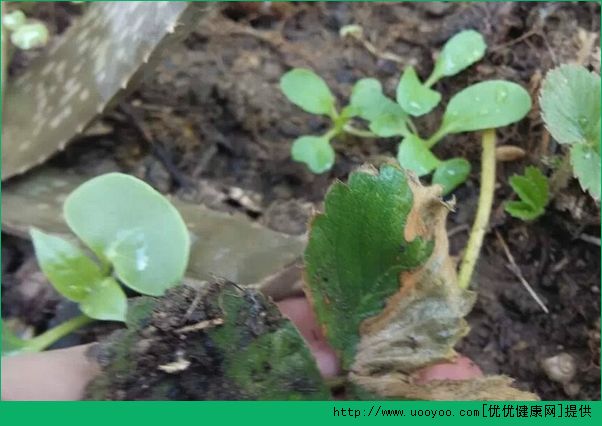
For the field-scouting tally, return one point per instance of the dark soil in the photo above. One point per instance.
(212, 118)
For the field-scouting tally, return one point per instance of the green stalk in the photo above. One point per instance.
(479, 227)
(436, 137)
(348, 128)
(41, 342)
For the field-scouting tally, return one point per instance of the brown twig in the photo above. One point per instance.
(513, 267)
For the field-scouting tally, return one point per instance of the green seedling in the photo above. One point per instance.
(484, 105)
(533, 190)
(25, 33)
(570, 105)
(137, 239)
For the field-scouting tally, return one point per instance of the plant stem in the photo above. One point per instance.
(436, 137)
(479, 227)
(348, 128)
(41, 342)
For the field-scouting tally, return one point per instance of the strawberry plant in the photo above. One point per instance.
(481, 106)
(533, 190)
(570, 108)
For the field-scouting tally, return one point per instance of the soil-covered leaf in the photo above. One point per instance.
(414, 155)
(414, 97)
(308, 91)
(460, 52)
(533, 191)
(570, 104)
(486, 105)
(356, 252)
(451, 173)
(134, 228)
(207, 342)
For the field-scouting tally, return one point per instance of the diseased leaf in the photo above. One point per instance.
(451, 173)
(414, 155)
(105, 301)
(134, 228)
(533, 191)
(70, 271)
(486, 105)
(356, 252)
(414, 97)
(308, 91)
(315, 151)
(586, 167)
(423, 322)
(570, 104)
(460, 52)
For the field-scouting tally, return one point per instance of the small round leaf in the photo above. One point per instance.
(315, 151)
(133, 227)
(415, 98)
(308, 91)
(460, 52)
(414, 155)
(486, 105)
(451, 173)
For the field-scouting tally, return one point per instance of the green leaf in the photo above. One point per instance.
(30, 35)
(586, 167)
(414, 155)
(70, 271)
(106, 301)
(315, 151)
(356, 252)
(386, 117)
(533, 191)
(308, 91)
(415, 98)
(486, 105)
(570, 104)
(451, 173)
(129, 224)
(460, 52)
(13, 20)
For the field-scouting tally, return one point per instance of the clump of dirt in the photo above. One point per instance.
(206, 342)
